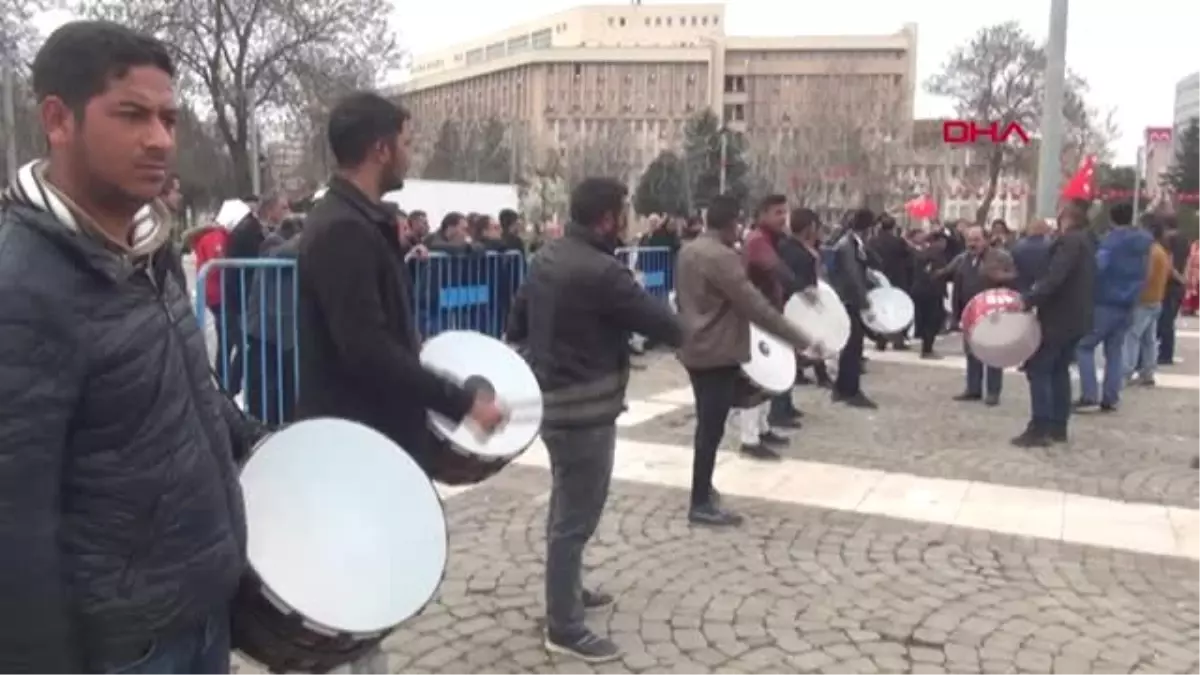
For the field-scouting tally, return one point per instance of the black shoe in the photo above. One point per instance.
(931, 356)
(1146, 382)
(758, 451)
(713, 516)
(785, 423)
(772, 438)
(1057, 435)
(1195, 463)
(992, 400)
(1108, 407)
(1085, 406)
(801, 378)
(1031, 438)
(596, 599)
(587, 647)
(858, 400)
(900, 346)
(714, 497)
(968, 396)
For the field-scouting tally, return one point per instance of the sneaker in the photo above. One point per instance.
(712, 515)
(968, 396)
(596, 599)
(586, 646)
(931, 356)
(1146, 382)
(772, 438)
(991, 400)
(1108, 407)
(759, 451)
(858, 400)
(1031, 438)
(1086, 406)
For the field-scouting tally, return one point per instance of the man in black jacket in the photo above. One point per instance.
(572, 318)
(1063, 299)
(121, 524)
(359, 349)
(895, 257)
(849, 278)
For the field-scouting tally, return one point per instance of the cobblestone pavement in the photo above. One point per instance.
(1139, 454)
(797, 590)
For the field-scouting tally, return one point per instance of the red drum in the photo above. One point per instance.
(998, 332)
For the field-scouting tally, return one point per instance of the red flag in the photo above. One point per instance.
(1080, 185)
(921, 208)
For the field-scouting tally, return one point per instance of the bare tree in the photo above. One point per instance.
(998, 76)
(242, 55)
(606, 151)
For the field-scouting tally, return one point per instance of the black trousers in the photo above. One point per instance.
(850, 364)
(715, 391)
(930, 319)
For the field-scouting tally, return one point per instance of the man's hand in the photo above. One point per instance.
(812, 294)
(486, 414)
(419, 252)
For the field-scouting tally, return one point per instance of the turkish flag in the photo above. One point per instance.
(1080, 185)
(921, 208)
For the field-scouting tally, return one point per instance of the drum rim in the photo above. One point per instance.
(437, 420)
(441, 506)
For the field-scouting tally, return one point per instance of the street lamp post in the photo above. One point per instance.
(1049, 158)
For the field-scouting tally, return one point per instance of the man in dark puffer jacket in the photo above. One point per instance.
(122, 533)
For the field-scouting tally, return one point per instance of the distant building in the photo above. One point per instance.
(632, 75)
(1157, 154)
(955, 177)
(1187, 100)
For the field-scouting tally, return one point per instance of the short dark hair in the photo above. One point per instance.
(508, 218)
(723, 213)
(594, 198)
(803, 219)
(1121, 214)
(769, 202)
(358, 122)
(887, 222)
(77, 62)
(417, 214)
(862, 220)
(1001, 223)
(449, 220)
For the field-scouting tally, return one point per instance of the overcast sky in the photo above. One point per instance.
(1132, 54)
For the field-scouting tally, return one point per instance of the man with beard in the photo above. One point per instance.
(121, 520)
(572, 318)
(358, 343)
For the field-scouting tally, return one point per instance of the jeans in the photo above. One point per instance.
(782, 407)
(1166, 325)
(979, 375)
(201, 649)
(581, 464)
(714, 390)
(849, 373)
(1109, 326)
(1049, 375)
(1141, 342)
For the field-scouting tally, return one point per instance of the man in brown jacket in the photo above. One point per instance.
(717, 302)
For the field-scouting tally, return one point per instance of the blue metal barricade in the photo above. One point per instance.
(255, 333)
(254, 329)
(656, 265)
(465, 292)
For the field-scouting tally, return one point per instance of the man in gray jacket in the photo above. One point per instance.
(122, 529)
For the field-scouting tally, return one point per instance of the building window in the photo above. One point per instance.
(611, 22)
(668, 22)
(704, 21)
(542, 39)
(621, 21)
(658, 21)
(647, 21)
(716, 20)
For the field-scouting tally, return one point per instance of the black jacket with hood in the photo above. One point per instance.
(121, 517)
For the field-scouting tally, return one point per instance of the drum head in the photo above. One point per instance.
(826, 319)
(878, 279)
(1005, 339)
(772, 364)
(343, 525)
(478, 360)
(892, 311)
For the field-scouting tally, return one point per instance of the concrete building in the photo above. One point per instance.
(1158, 152)
(624, 79)
(1187, 100)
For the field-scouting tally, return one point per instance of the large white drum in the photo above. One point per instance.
(482, 364)
(824, 318)
(998, 331)
(772, 364)
(344, 532)
(891, 311)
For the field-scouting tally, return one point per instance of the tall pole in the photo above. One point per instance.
(724, 157)
(1049, 160)
(1137, 182)
(9, 122)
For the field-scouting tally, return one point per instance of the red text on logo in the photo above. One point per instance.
(957, 132)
